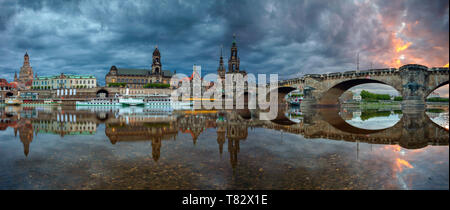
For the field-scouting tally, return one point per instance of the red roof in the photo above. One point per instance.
(4, 83)
(29, 83)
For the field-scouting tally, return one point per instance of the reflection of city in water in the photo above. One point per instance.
(125, 126)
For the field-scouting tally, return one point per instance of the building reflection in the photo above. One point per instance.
(156, 132)
(138, 124)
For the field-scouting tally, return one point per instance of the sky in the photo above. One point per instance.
(288, 37)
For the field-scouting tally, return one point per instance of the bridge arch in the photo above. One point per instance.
(102, 93)
(437, 87)
(332, 117)
(102, 116)
(331, 96)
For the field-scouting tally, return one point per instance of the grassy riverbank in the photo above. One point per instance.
(372, 105)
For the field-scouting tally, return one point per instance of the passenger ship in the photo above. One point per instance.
(131, 101)
(156, 101)
(159, 101)
(99, 102)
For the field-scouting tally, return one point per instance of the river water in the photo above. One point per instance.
(139, 148)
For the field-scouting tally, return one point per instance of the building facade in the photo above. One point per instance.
(6, 89)
(139, 78)
(64, 81)
(25, 78)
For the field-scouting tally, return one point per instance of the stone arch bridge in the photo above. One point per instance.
(414, 82)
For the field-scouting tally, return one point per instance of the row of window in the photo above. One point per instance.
(46, 82)
(61, 86)
(136, 80)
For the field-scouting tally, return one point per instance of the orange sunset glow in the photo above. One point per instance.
(402, 163)
(403, 47)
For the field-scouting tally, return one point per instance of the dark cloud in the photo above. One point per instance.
(285, 37)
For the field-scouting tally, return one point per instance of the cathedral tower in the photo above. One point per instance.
(26, 72)
(233, 62)
(156, 63)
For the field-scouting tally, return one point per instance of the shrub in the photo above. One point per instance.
(156, 85)
(117, 84)
(437, 99)
(398, 98)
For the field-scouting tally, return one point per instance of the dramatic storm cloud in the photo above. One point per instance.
(285, 37)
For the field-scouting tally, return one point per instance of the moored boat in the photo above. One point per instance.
(13, 101)
(131, 101)
(99, 102)
(165, 101)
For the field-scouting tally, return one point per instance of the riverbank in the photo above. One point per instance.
(368, 105)
(390, 105)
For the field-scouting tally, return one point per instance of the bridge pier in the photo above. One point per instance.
(413, 104)
(307, 103)
(414, 132)
(414, 86)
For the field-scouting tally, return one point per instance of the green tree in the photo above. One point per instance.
(373, 97)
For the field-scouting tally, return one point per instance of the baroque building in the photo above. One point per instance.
(25, 75)
(64, 81)
(138, 78)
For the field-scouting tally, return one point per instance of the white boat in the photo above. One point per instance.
(131, 101)
(13, 101)
(180, 105)
(51, 101)
(165, 101)
(99, 102)
(155, 101)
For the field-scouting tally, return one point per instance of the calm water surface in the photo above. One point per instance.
(139, 148)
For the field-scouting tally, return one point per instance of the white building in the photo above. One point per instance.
(357, 97)
(64, 81)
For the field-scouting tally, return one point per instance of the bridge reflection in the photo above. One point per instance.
(414, 130)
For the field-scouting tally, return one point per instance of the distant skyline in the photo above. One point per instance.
(286, 37)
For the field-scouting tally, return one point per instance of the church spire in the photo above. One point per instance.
(233, 62)
(234, 39)
(221, 69)
(26, 59)
(221, 57)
